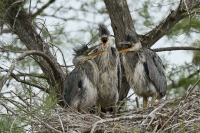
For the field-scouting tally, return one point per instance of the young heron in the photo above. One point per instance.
(80, 87)
(144, 69)
(109, 71)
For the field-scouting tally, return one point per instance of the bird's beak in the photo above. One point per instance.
(89, 50)
(93, 54)
(96, 53)
(128, 46)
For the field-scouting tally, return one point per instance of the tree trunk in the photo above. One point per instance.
(21, 25)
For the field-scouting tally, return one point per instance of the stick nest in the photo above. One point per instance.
(181, 114)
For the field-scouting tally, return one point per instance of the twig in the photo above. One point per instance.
(189, 90)
(22, 56)
(61, 122)
(7, 108)
(16, 18)
(30, 83)
(12, 124)
(60, 52)
(175, 48)
(11, 6)
(152, 114)
(50, 127)
(184, 122)
(42, 8)
(20, 98)
(187, 9)
(117, 119)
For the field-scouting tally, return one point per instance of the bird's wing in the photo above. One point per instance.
(119, 71)
(156, 70)
(72, 85)
(91, 70)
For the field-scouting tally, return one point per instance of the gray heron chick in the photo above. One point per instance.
(109, 73)
(80, 87)
(144, 69)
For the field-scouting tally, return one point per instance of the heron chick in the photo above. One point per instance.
(109, 71)
(80, 87)
(144, 69)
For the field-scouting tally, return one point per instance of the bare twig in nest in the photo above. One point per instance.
(153, 118)
(138, 117)
(152, 115)
(184, 97)
(61, 123)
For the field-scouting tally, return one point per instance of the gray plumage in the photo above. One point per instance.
(80, 87)
(109, 71)
(144, 70)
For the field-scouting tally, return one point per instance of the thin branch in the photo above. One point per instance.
(42, 8)
(173, 18)
(184, 97)
(61, 122)
(117, 119)
(61, 53)
(68, 19)
(7, 108)
(10, 7)
(47, 125)
(36, 75)
(175, 48)
(22, 56)
(20, 98)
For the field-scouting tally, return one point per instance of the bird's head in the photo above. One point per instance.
(104, 35)
(131, 43)
(83, 53)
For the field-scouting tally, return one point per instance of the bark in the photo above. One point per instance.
(121, 20)
(21, 25)
(122, 23)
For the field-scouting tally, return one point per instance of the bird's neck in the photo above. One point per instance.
(136, 47)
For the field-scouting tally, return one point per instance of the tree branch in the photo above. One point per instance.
(174, 17)
(31, 84)
(175, 48)
(42, 8)
(22, 56)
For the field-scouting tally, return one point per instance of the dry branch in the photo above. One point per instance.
(175, 48)
(22, 56)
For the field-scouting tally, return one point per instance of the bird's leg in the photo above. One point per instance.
(137, 102)
(114, 108)
(145, 100)
(153, 100)
(98, 108)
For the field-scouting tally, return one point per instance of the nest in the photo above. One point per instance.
(181, 114)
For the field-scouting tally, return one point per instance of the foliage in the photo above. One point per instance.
(27, 107)
(186, 26)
